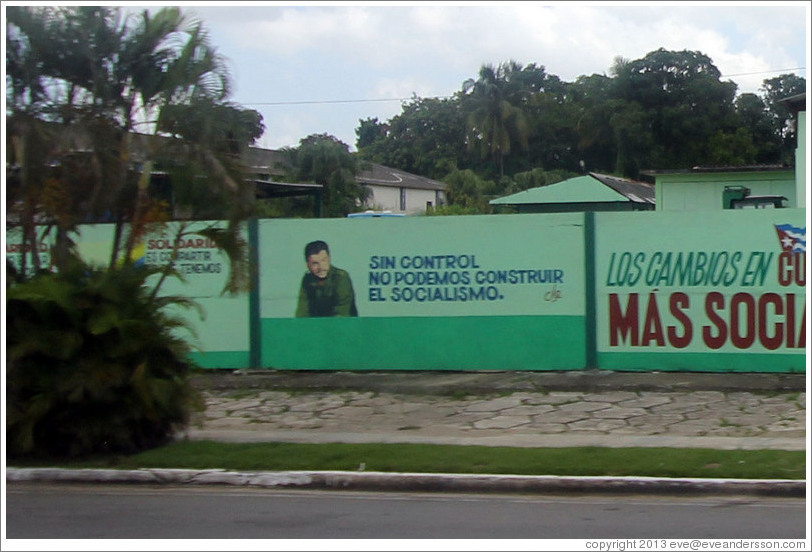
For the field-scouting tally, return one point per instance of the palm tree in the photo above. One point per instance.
(101, 77)
(494, 121)
(325, 160)
(27, 136)
(163, 60)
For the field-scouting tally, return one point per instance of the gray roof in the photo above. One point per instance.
(634, 190)
(265, 161)
(723, 169)
(796, 103)
(379, 175)
(273, 162)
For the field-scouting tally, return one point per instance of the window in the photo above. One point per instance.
(403, 199)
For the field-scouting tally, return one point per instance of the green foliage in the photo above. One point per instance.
(427, 138)
(221, 126)
(94, 364)
(666, 110)
(469, 194)
(369, 131)
(466, 190)
(776, 89)
(755, 119)
(453, 210)
(325, 160)
(536, 178)
(731, 148)
(83, 80)
(495, 120)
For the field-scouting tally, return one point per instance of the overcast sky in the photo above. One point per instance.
(339, 60)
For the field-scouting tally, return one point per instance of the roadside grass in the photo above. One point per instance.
(416, 458)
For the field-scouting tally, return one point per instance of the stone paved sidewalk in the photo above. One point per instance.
(713, 419)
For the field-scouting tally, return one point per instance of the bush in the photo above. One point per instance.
(93, 364)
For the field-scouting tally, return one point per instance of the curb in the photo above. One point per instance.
(488, 382)
(418, 482)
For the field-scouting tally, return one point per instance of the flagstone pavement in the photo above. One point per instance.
(615, 416)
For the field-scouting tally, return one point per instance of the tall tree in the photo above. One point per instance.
(684, 99)
(591, 120)
(758, 123)
(109, 87)
(323, 159)
(369, 132)
(553, 137)
(775, 90)
(495, 120)
(427, 138)
(668, 109)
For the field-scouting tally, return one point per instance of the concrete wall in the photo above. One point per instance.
(721, 292)
(705, 291)
(388, 198)
(221, 330)
(433, 293)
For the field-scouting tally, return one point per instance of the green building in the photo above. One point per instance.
(717, 188)
(706, 189)
(590, 193)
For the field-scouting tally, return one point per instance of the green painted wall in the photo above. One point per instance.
(432, 293)
(219, 333)
(617, 206)
(425, 343)
(682, 291)
(800, 161)
(702, 191)
(222, 334)
(679, 291)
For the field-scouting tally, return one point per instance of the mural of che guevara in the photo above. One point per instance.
(326, 290)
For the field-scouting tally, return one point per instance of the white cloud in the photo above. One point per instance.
(402, 88)
(317, 52)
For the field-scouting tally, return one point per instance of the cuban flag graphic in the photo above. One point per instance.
(792, 238)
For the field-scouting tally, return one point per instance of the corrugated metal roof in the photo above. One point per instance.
(269, 188)
(723, 169)
(265, 161)
(379, 175)
(636, 191)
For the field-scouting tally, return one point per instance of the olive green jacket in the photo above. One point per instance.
(331, 296)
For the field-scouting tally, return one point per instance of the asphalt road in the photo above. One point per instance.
(53, 511)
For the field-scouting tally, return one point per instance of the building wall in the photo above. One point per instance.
(800, 161)
(703, 191)
(389, 198)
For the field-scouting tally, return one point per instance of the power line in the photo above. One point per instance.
(318, 102)
(764, 72)
(368, 100)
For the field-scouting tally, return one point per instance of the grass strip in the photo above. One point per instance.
(586, 461)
